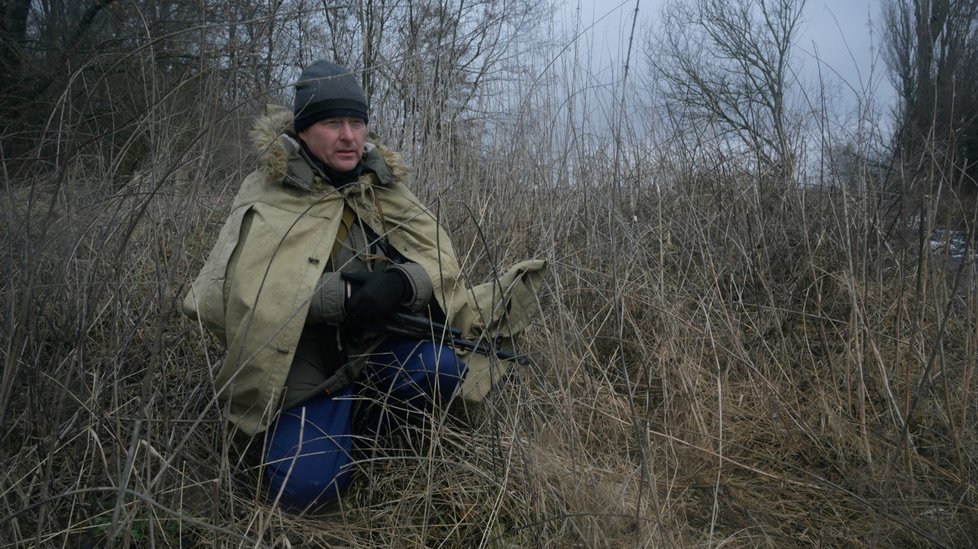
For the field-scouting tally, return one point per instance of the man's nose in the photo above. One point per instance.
(346, 131)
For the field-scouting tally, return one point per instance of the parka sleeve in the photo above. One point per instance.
(327, 303)
(419, 283)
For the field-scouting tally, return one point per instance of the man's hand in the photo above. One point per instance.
(374, 295)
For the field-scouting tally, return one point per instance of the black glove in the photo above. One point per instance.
(374, 295)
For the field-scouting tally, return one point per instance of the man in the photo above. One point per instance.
(323, 244)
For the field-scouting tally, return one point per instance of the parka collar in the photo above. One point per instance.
(285, 161)
(302, 171)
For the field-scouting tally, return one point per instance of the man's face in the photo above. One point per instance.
(337, 142)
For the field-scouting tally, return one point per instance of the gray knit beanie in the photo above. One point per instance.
(325, 90)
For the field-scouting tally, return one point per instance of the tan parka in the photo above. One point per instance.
(282, 226)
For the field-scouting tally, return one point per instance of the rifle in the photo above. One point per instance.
(415, 327)
(419, 327)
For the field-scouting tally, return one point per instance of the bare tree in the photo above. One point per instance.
(725, 64)
(425, 62)
(931, 50)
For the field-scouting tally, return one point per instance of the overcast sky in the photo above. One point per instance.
(843, 33)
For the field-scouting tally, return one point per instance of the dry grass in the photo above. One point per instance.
(718, 366)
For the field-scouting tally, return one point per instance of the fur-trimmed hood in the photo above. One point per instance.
(283, 160)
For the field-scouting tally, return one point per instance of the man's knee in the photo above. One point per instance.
(435, 368)
(308, 453)
(449, 370)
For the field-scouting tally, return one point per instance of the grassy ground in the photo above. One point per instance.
(721, 360)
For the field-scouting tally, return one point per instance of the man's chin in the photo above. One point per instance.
(343, 166)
